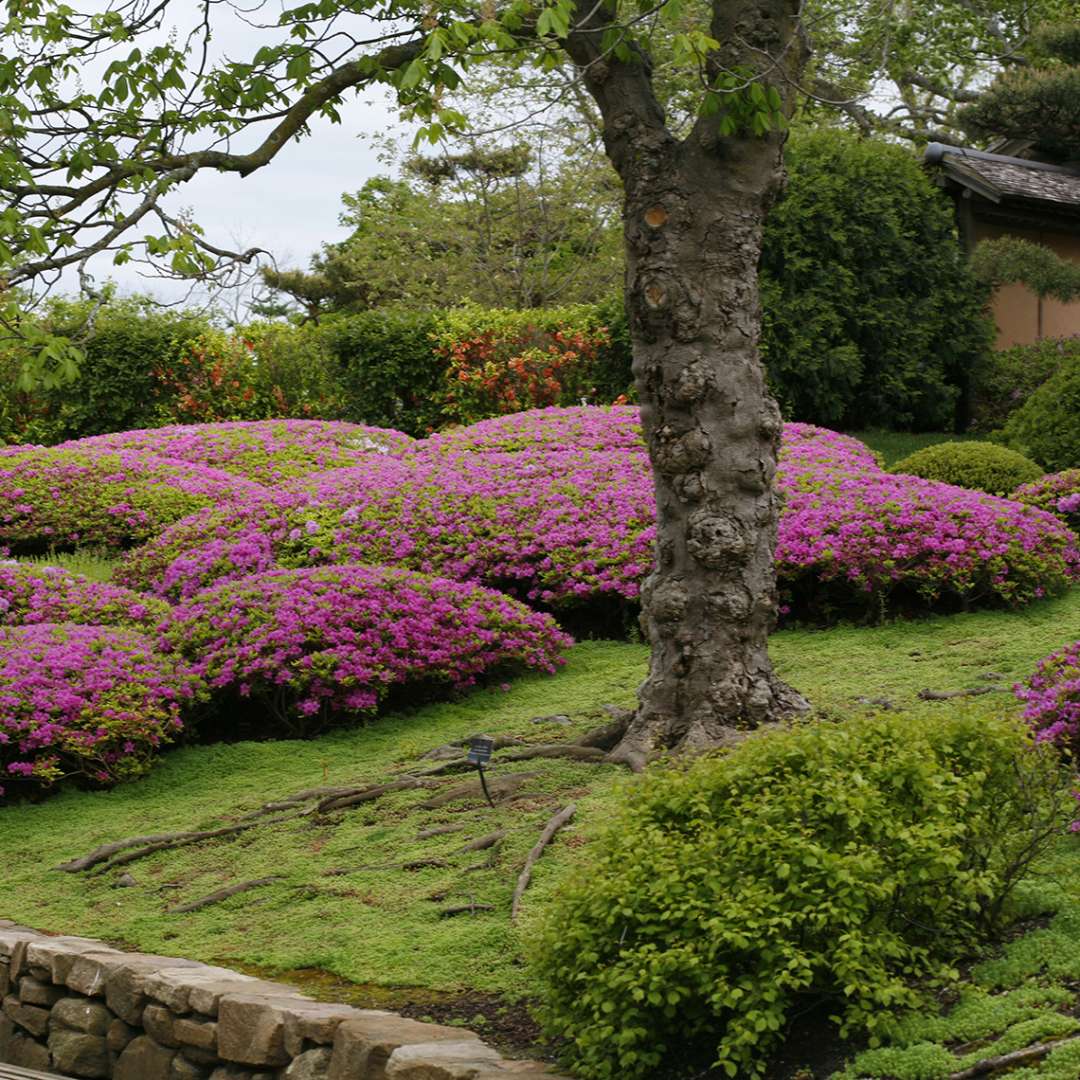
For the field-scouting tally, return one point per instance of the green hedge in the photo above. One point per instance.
(850, 861)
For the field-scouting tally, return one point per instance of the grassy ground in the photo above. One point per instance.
(344, 903)
(95, 563)
(895, 445)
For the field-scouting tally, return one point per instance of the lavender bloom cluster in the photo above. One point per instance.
(1051, 699)
(49, 594)
(64, 496)
(311, 643)
(267, 451)
(88, 701)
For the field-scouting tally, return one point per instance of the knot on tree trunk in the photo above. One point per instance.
(719, 541)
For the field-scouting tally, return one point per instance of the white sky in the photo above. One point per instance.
(291, 206)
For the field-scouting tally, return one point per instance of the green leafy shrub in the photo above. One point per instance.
(501, 362)
(872, 317)
(390, 374)
(1045, 427)
(982, 466)
(117, 388)
(851, 860)
(1004, 379)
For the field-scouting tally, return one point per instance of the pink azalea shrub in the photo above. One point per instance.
(570, 528)
(615, 427)
(50, 594)
(1058, 492)
(578, 427)
(65, 496)
(1051, 699)
(312, 643)
(84, 701)
(849, 542)
(267, 451)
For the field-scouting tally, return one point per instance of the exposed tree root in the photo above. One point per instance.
(1007, 1061)
(291, 801)
(464, 909)
(499, 786)
(121, 852)
(482, 843)
(356, 796)
(459, 745)
(607, 736)
(439, 830)
(948, 695)
(550, 829)
(573, 751)
(223, 894)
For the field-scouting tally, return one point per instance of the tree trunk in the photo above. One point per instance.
(694, 214)
(694, 218)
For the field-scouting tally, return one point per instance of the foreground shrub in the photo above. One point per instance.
(1052, 698)
(61, 497)
(84, 701)
(267, 451)
(1003, 379)
(1058, 493)
(851, 860)
(49, 594)
(982, 466)
(1045, 426)
(309, 644)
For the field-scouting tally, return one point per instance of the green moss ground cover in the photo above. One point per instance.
(354, 896)
(894, 446)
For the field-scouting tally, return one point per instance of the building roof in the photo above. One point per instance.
(1001, 179)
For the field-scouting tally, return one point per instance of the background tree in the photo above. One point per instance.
(498, 226)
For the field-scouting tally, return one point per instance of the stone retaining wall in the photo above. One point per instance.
(75, 1007)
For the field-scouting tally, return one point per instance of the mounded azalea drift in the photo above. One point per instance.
(1052, 699)
(1059, 493)
(50, 594)
(570, 528)
(61, 497)
(335, 639)
(87, 701)
(268, 451)
(616, 427)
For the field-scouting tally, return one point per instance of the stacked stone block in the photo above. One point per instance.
(75, 1007)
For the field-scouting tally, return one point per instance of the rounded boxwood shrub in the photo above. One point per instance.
(1052, 698)
(89, 702)
(1044, 427)
(50, 594)
(847, 860)
(267, 451)
(1059, 493)
(309, 644)
(982, 466)
(63, 497)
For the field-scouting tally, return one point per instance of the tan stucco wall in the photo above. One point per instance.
(1017, 310)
